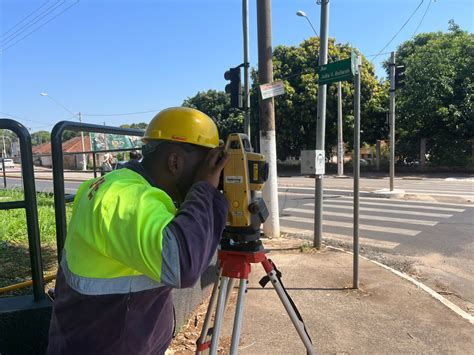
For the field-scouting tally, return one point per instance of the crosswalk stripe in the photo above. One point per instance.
(426, 187)
(367, 227)
(431, 193)
(291, 193)
(362, 216)
(343, 238)
(294, 193)
(363, 202)
(384, 210)
(408, 202)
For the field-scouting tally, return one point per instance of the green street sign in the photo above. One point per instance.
(342, 70)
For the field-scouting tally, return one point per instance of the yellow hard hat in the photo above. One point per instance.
(185, 125)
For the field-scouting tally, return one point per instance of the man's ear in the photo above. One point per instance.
(175, 164)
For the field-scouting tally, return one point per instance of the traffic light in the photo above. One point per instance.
(399, 76)
(233, 88)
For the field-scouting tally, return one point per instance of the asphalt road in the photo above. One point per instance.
(428, 239)
(42, 185)
(432, 241)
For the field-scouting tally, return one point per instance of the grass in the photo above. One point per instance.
(14, 250)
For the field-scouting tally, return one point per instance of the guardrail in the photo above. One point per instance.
(29, 204)
(24, 320)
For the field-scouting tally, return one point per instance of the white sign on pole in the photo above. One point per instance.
(320, 162)
(272, 89)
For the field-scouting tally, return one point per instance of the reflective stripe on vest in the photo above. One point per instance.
(101, 286)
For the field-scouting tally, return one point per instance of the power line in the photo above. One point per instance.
(26, 26)
(416, 29)
(23, 19)
(374, 55)
(401, 28)
(45, 23)
(20, 118)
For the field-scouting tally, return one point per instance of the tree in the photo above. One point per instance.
(40, 137)
(67, 135)
(216, 104)
(296, 110)
(141, 125)
(437, 101)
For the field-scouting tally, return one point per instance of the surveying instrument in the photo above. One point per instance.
(240, 246)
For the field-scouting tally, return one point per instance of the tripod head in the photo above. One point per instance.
(244, 175)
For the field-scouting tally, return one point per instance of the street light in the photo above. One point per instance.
(45, 94)
(303, 14)
(340, 141)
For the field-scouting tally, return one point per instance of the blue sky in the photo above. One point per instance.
(118, 56)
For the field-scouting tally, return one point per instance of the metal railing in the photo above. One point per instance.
(58, 167)
(29, 204)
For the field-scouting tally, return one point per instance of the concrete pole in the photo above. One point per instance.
(356, 159)
(340, 139)
(422, 153)
(267, 117)
(321, 124)
(245, 27)
(392, 120)
(84, 164)
(377, 154)
(4, 153)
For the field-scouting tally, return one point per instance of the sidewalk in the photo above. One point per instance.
(47, 174)
(387, 314)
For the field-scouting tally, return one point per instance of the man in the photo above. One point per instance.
(134, 156)
(106, 164)
(128, 244)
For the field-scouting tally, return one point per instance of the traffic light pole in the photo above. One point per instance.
(392, 120)
(246, 93)
(321, 124)
(271, 227)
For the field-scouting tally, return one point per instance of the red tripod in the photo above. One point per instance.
(237, 265)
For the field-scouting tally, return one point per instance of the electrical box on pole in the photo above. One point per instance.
(234, 88)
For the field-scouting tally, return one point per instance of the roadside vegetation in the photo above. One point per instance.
(435, 105)
(14, 251)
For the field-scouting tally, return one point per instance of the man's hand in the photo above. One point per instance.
(212, 166)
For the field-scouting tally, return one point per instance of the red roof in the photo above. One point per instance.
(70, 146)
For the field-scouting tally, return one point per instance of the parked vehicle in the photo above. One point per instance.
(9, 163)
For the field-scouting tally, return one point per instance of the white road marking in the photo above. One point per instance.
(347, 191)
(363, 202)
(366, 227)
(413, 213)
(362, 216)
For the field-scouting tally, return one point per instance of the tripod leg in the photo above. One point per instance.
(299, 325)
(238, 316)
(205, 326)
(204, 340)
(219, 314)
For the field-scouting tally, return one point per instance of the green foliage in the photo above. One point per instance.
(13, 222)
(40, 137)
(216, 104)
(141, 125)
(296, 110)
(67, 135)
(14, 254)
(437, 101)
